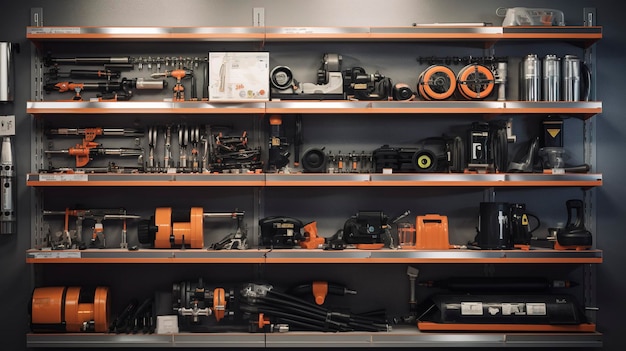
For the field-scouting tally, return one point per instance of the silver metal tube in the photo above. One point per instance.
(223, 214)
(530, 76)
(153, 84)
(551, 69)
(571, 78)
(500, 79)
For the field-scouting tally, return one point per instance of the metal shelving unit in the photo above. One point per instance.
(406, 336)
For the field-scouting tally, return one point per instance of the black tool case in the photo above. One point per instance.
(503, 312)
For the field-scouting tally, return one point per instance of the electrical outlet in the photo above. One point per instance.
(7, 125)
(258, 17)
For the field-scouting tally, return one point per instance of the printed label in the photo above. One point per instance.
(55, 30)
(536, 309)
(515, 309)
(471, 308)
(55, 254)
(63, 177)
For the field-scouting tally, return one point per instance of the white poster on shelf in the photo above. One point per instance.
(239, 76)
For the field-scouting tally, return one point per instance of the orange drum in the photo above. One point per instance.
(70, 309)
(182, 232)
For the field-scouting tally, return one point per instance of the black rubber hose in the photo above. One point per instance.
(291, 304)
(295, 299)
(322, 325)
(286, 305)
(348, 321)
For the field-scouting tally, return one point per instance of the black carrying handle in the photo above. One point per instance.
(575, 214)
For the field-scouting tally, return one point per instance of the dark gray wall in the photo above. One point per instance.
(16, 278)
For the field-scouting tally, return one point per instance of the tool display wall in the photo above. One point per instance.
(138, 153)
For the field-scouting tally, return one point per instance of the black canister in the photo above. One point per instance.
(494, 226)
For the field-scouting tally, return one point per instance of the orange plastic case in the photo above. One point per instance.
(431, 232)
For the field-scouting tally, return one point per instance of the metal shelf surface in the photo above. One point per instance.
(145, 256)
(147, 107)
(144, 179)
(314, 180)
(100, 340)
(419, 32)
(295, 256)
(145, 33)
(404, 336)
(581, 109)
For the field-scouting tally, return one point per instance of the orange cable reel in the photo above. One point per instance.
(437, 82)
(475, 82)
